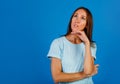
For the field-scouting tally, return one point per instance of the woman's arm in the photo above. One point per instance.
(89, 60)
(59, 76)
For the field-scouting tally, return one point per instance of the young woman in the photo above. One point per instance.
(72, 55)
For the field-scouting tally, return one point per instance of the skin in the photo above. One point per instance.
(77, 36)
(79, 20)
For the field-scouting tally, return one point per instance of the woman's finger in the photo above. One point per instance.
(97, 65)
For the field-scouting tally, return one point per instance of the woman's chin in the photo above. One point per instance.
(76, 30)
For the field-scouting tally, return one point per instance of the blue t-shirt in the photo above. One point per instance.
(71, 56)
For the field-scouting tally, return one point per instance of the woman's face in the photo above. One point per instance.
(79, 20)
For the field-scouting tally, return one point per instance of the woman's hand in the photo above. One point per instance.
(82, 36)
(95, 71)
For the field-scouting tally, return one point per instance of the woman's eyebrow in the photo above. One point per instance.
(75, 13)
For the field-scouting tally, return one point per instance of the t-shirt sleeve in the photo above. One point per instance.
(54, 50)
(93, 50)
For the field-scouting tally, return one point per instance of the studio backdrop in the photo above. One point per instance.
(27, 28)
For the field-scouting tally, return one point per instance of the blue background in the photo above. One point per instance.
(27, 28)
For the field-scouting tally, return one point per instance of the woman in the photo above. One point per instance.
(72, 55)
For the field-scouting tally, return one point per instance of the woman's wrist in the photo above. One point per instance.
(87, 43)
(85, 75)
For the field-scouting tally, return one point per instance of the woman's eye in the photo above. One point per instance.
(75, 15)
(83, 18)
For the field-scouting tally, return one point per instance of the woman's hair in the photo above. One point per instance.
(89, 26)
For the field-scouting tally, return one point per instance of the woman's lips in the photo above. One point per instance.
(75, 25)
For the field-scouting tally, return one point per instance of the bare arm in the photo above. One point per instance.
(59, 76)
(89, 60)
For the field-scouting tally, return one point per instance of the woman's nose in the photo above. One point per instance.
(78, 20)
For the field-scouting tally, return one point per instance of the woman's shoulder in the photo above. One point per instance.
(58, 39)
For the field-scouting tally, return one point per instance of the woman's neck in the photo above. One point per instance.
(73, 38)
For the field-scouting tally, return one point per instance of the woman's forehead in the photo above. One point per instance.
(81, 11)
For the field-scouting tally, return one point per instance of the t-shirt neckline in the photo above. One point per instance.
(71, 42)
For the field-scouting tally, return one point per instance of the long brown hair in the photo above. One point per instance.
(89, 26)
